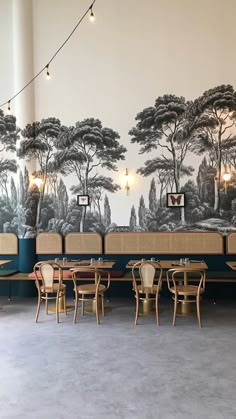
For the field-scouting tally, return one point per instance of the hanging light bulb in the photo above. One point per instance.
(9, 106)
(48, 76)
(92, 17)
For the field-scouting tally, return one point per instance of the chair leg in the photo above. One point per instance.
(76, 307)
(137, 309)
(157, 309)
(64, 297)
(103, 310)
(82, 305)
(46, 303)
(175, 308)
(198, 310)
(57, 308)
(38, 307)
(97, 310)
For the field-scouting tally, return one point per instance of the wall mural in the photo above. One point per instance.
(166, 133)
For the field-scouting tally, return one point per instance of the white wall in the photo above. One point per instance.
(6, 53)
(112, 69)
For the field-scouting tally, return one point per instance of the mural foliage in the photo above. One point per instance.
(170, 133)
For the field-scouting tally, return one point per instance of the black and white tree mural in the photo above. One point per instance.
(8, 138)
(161, 129)
(171, 131)
(82, 160)
(211, 119)
(40, 142)
(85, 150)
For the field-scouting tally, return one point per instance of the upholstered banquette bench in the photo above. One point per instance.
(212, 247)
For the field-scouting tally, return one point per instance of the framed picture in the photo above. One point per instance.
(83, 200)
(175, 199)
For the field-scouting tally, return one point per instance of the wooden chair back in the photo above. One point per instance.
(147, 275)
(175, 275)
(45, 275)
(77, 275)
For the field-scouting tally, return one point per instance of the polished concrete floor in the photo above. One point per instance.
(117, 370)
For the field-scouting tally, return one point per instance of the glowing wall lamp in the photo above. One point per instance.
(126, 181)
(38, 182)
(226, 176)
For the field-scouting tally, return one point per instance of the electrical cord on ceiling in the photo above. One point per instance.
(46, 67)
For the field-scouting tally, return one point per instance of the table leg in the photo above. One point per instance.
(92, 307)
(61, 307)
(9, 290)
(184, 306)
(147, 306)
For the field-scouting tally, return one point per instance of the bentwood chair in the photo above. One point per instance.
(90, 291)
(48, 279)
(147, 285)
(186, 285)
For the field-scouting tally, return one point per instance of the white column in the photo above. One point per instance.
(23, 61)
(23, 106)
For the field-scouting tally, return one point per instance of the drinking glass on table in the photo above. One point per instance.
(100, 260)
(152, 259)
(56, 260)
(92, 261)
(64, 260)
(186, 261)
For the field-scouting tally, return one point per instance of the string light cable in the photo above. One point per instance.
(46, 67)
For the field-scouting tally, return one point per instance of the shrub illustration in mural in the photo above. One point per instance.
(170, 131)
(80, 151)
(8, 167)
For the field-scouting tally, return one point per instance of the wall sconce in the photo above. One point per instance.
(126, 180)
(226, 176)
(38, 182)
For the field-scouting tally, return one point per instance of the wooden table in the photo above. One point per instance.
(232, 265)
(171, 264)
(4, 262)
(85, 263)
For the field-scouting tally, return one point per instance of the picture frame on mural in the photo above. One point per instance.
(175, 200)
(83, 200)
